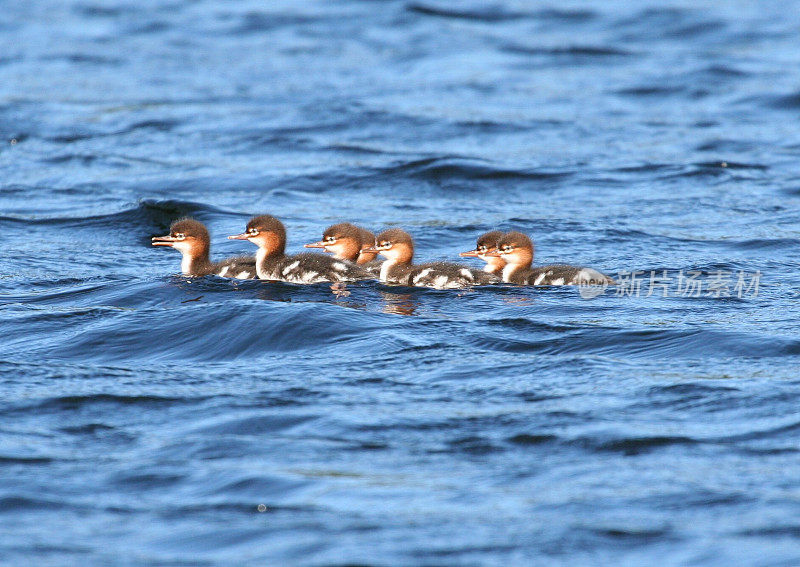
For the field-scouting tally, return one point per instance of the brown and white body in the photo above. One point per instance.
(350, 242)
(516, 249)
(272, 263)
(488, 243)
(191, 239)
(397, 247)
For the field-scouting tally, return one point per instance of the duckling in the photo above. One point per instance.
(191, 239)
(349, 242)
(516, 249)
(488, 243)
(272, 263)
(397, 247)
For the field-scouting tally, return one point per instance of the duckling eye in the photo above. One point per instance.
(180, 235)
(330, 239)
(252, 231)
(507, 248)
(481, 248)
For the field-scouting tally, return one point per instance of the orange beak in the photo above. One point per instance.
(163, 240)
(243, 236)
(319, 244)
(494, 253)
(470, 254)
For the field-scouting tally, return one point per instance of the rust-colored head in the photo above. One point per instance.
(395, 245)
(515, 249)
(343, 240)
(188, 236)
(487, 243)
(266, 232)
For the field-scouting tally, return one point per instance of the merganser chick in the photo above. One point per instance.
(488, 243)
(349, 242)
(269, 234)
(398, 248)
(516, 249)
(191, 239)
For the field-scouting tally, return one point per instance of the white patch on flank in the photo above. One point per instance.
(424, 273)
(467, 274)
(223, 271)
(559, 281)
(309, 277)
(440, 282)
(290, 267)
(242, 275)
(539, 279)
(339, 267)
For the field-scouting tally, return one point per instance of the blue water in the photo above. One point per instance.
(146, 418)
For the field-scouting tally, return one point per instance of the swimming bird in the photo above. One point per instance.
(488, 243)
(397, 247)
(350, 242)
(272, 263)
(516, 249)
(191, 239)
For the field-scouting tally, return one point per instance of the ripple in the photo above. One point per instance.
(88, 59)
(147, 213)
(765, 244)
(652, 91)
(157, 125)
(730, 165)
(566, 15)
(165, 334)
(74, 403)
(572, 52)
(19, 460)
(530, 439)
(147, 480)
(782, 531)
(667, 23)
(491, 13)
(473, 445)
(694, 390)
(258, 22)
(633, 535)
(637, 445)
(100, 11)
(645, 343)
(437, 169)
(726, 145)
(88, 429)
(24, 503)
(782, 102)
(255, 425)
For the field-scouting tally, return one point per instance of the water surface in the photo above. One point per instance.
(147, 416)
